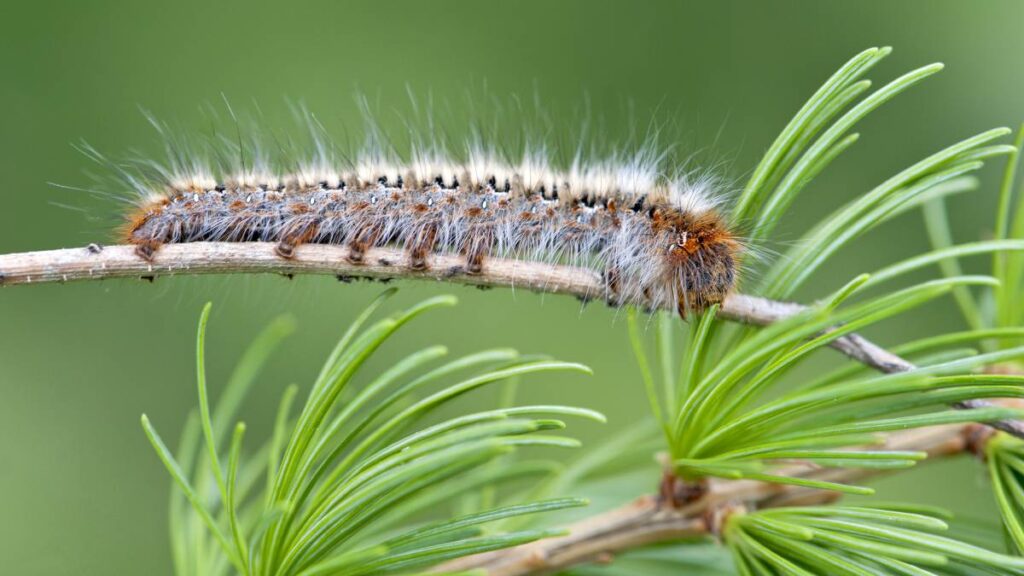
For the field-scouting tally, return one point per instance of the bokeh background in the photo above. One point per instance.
(80, 489)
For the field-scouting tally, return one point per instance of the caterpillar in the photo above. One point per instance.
(655, 239)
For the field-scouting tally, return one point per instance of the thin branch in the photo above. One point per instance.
(647, 520)
(95, 262)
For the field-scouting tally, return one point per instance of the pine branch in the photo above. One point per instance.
(649, 520)
(95, 262)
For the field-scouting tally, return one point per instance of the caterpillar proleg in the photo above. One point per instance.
(655, 239)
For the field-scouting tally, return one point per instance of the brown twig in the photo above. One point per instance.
(648, 520)
(95, 262)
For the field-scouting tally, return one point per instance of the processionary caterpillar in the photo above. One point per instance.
(656, 240)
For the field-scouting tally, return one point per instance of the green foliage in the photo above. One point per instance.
(730, 408)
(731, 412)
(800, 153)
(854, 541)
(1005, 457)
(997, 306)
(348, 485)
(996, 318)
(1009, 268)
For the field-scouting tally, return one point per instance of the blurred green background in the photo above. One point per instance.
(80, 489)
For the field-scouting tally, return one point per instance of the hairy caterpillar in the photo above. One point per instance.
(655, 239)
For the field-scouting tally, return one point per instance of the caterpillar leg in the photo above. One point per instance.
(699, 287)
(285, 247)
(145, 249)
(359, 244)
(420, 247)
(301, 231)
(475, 261)
(477, 247)
(612, 285)
(357, 251)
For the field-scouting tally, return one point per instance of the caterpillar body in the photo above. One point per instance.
(655, 240)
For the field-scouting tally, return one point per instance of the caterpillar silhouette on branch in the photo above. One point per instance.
(654, 239)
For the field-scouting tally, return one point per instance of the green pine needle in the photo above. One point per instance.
(335, 477)
(855, 541)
